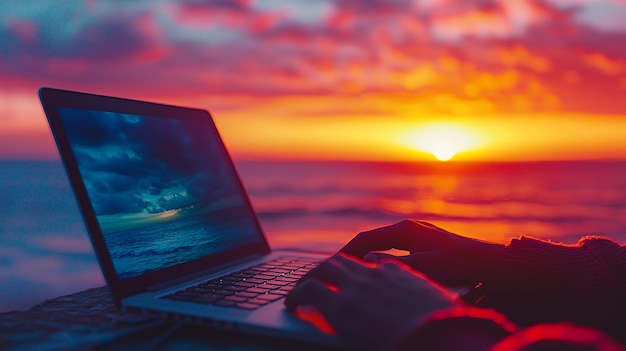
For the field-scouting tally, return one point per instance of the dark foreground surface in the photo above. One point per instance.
(89, 320)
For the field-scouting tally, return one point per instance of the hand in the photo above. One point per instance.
(370, 305)
(445, 257)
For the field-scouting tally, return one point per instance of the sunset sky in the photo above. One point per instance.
(503, 80)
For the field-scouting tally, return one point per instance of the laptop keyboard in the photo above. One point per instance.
(249, 288)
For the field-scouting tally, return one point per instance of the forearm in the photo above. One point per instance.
(540, 281)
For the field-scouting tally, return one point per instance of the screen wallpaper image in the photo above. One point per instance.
(162, 188)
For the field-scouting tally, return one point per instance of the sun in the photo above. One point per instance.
(444, 153)
(168, 213)
(442, 140)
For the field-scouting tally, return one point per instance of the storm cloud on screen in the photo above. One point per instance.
(133, 164)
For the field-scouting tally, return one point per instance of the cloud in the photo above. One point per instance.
(176, 201)
(133, 164)
(241, 50)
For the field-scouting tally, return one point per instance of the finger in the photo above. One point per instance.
(383, 257)
(351, 264)
(331, 271)
(404, 235)
(312, 293)
(365, 242)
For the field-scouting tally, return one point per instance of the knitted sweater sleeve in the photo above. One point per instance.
(542, 281)
(474, 329)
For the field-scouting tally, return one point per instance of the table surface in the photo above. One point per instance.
(89, 320)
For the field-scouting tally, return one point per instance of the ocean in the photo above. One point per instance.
(45, 251)
(144, 249)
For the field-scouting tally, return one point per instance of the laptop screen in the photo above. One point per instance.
(163, 189)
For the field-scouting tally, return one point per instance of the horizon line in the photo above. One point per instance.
(355, 160)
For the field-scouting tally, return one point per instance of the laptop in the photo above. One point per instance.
(169, 219)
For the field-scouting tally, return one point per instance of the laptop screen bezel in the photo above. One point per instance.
(54, 99)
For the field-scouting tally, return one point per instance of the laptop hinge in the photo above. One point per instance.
(199, 274)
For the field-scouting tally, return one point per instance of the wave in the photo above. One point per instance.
(151, 252)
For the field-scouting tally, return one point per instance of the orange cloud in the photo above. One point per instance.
(604, 64)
